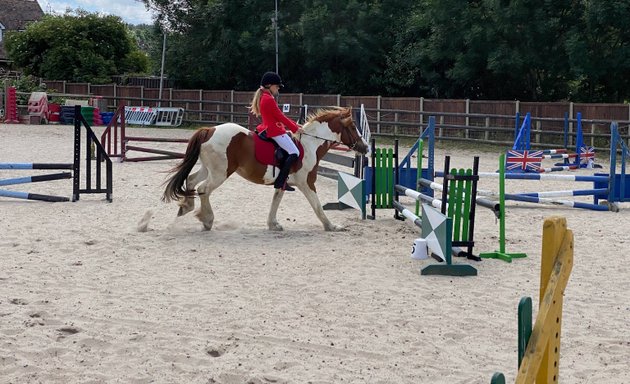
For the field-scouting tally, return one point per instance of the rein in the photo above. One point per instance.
(354, 144)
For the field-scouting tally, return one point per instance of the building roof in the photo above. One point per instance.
(15, 16)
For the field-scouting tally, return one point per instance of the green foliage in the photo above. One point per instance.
(82, 48)
(576, 50)
(598, 46)
(149, 41)
(26, 84)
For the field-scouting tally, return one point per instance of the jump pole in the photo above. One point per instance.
(32, 196)
(34, 179)
(93, 150)
(536, 176)
(494, 207)
(35, 166)
(544, 200)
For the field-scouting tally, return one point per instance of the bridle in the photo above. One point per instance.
(351, 147)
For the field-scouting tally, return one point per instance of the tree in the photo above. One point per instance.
(345, 45)
(598, 48)
(215, 44)
(149, 39)
(83, 48)
(325, 45)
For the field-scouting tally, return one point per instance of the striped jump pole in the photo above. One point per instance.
(560, 156)
(564, 193)
(32, 196)
(546, 200)
(418, 196)
(566, 203)
(601, 192)
(535, 176)
(35, 179)
(558, 168)
(95, 159)
(493, 206)
(35, 166)
(553, 152)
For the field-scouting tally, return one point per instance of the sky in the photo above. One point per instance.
(131, 11)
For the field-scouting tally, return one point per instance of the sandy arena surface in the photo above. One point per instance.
(86, 298)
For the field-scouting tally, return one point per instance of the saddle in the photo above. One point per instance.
(268, 152)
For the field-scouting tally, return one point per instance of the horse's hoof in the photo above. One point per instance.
(207, 227)
(275, 227)
(335, 228)
(185, 207)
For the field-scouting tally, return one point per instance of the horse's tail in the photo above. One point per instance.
(175, 184)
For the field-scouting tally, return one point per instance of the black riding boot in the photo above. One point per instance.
(283, 175)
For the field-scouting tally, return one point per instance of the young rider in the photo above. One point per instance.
(275, 124)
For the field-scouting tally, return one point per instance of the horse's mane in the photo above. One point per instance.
(327, 114)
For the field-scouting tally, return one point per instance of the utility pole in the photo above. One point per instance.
(275, 23)
(162, 70)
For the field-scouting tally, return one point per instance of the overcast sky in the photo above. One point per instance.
(131, 11)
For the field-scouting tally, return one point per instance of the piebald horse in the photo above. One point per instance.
(228, 148)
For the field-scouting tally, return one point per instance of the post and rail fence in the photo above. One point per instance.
(476, 121)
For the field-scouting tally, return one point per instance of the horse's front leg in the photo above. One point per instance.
(272, 221)
(313, 199)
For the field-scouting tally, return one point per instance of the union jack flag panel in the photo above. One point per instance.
(586, 153)
(523, 161)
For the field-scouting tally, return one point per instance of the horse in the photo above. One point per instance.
(230, 148)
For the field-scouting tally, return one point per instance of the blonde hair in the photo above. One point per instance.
(255, 107)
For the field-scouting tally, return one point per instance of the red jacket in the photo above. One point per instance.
(273, 120)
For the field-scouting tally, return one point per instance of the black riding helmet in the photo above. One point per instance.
(271, 78)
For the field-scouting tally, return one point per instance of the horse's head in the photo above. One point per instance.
(342, 127)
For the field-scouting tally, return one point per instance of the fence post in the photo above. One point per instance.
(378, 114)
(538, 130)
(571, 126)
(421, 110)
(467, 131)
(231, 106)
(3, 103)
(567, 129)
(487, 133)
(200, 104)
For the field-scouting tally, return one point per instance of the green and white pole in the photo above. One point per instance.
(501, 254)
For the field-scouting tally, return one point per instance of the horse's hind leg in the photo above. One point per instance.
(205, 213)
(187, 203)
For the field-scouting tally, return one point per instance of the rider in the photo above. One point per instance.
(275, 124)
